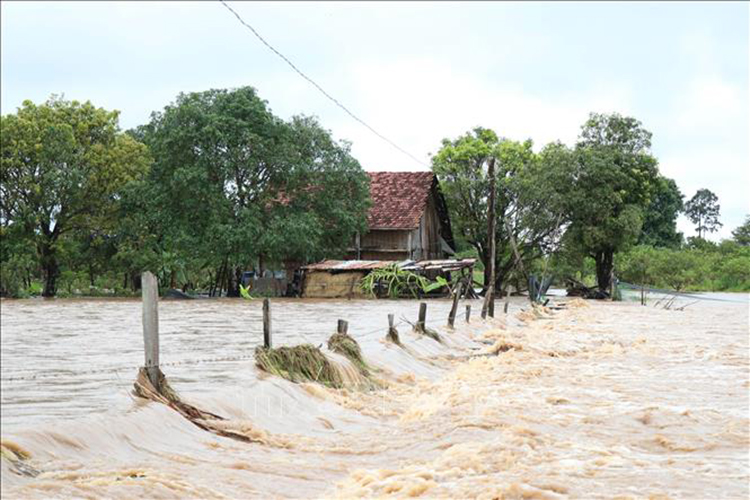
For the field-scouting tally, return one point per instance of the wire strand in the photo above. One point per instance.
(218, 359)
(320, 89)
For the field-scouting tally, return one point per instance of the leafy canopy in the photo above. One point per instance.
(742, 233)
(64, 166)
(703, 211)
(258, 186)
(660, 217)
(612, 184)
(529, 197)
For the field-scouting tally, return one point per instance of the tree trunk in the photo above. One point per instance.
(487, 277)
(218, 281)
(233, 281)
(50, 268)
(604, 260)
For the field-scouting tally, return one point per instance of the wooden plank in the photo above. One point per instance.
(150, 313)
(267, 329)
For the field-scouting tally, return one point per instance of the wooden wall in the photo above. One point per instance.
(382, 244)
(333, 285)
(385, 240)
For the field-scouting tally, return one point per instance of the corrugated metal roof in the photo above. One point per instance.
(367, 265)
(347, 265)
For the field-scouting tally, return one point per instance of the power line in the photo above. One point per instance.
(320, 89)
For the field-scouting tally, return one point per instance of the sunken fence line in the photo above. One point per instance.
(150, 299)
(150, 319)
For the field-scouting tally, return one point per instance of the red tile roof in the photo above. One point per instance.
(398, 199)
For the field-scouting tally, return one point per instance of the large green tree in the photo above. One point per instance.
(612, 185)
(235, 185)
(741, 233)
(660, 217)
(703, 211)
(528, 206)
(63, 167)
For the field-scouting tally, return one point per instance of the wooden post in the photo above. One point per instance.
(490, 294)
(422, 317)
(150, 298)
(491, 307)
(342, 327)
(454, 307)
(468, 313)
(392, 334)
(505, 309)
(267, 331)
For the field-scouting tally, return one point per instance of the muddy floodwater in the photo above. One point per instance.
(588, 400)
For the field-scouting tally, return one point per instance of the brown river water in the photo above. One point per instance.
(596, 400)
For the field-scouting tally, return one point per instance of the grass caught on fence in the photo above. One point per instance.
(392, 336)
(348, 347)
(301, 363)
(429, 332)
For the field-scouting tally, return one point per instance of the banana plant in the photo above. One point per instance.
(398, 281)
(245, 292)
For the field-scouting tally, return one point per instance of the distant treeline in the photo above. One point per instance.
(215, 184)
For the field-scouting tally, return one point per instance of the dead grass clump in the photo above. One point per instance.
(299, 363)
(392, 336)
(163, 388)
(13, 451)
(205, 420)
(429, 332)
(504, 346)
(345, 345)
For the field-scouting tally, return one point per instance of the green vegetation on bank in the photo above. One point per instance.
(216, 184)
(705, 267)
(213, 185)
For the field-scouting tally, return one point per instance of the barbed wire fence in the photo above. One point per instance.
(116, 369)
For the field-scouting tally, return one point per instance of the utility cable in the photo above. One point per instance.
(320, 89)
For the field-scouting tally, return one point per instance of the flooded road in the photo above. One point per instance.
(54, 349)
(598, 400)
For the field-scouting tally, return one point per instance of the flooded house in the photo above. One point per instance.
(408, 224)
(408, 219)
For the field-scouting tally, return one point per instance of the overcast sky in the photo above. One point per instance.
(418, 72)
